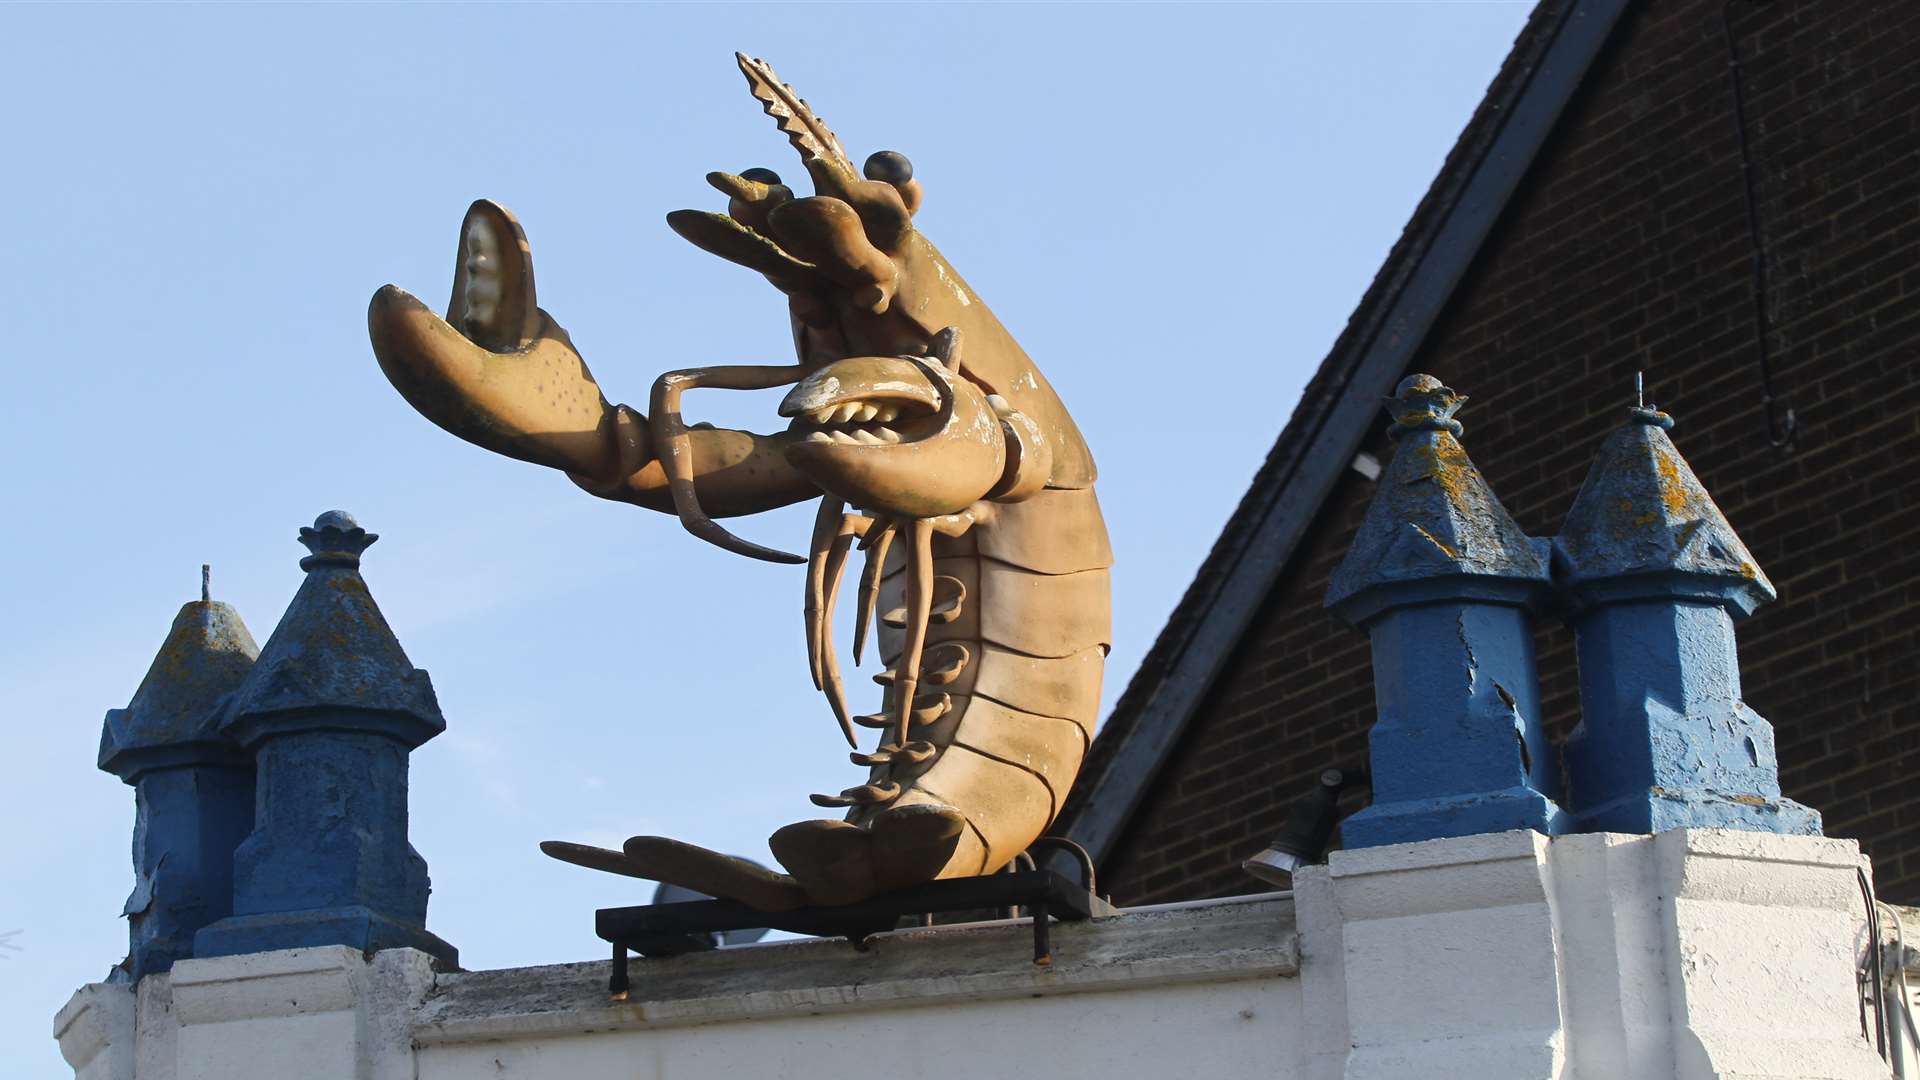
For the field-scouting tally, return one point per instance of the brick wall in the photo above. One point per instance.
(1627, 249)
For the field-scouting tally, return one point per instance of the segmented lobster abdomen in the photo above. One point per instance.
(1009, 690)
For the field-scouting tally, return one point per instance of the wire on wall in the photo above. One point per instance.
(1782, 434)
(1872, 976)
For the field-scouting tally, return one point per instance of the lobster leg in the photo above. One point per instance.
(833, 536)
(826, 524)
(906, 680)
(675, 446)
(876, 545)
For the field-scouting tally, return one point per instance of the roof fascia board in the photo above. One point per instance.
(1387, 348)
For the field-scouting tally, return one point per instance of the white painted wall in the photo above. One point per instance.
(1691, 954)
(1239, 1029)
(1200, 991)
(1686, 955)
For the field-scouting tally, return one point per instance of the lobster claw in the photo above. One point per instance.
(496, 371)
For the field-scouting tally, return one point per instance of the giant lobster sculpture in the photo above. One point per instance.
(932, 442)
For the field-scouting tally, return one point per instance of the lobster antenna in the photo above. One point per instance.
(807, 132)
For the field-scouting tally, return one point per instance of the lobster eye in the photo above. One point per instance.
(888, 167)
(761, 176)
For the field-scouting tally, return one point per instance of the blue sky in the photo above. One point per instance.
(1173, 207)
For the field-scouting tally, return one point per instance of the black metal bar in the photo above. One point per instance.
(1022, 861)
(1061, 843)
(672, 929)
(1042, 940)
(618, 984)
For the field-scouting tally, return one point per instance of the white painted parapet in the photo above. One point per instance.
(326, 1013)
(1507, 956)
(1689, 954)
(95, 1032)
(1201, 991)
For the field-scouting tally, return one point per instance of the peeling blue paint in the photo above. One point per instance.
(1652, 579)
(331, 712)
(193, 787)
(1444, 582)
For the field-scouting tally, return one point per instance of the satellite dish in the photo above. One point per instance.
(669, 893)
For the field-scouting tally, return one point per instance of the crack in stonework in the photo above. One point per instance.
(1473, 662)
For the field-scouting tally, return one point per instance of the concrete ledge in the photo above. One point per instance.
(288, 982)
(1208, 943)
(1460, 874)
(95, 1030)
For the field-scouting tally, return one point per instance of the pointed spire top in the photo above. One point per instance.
(174, 715)
(1643, 526)
(1423, 403)
(1434, 526)
(1643, 413)
(335, 540)
(333, 651)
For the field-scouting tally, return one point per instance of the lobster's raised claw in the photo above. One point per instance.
(494, 302)
(497, 371)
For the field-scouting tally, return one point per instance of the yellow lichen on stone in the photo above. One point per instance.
(1673, 491)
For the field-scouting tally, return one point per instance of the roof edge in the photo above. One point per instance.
(1497, 148)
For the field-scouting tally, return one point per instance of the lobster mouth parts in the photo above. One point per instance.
(858, 423)
(864, 401)
(900, 436)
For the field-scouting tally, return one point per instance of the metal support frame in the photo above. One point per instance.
(660, 930)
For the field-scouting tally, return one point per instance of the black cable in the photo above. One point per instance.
(1780, 437)
(1874, 969)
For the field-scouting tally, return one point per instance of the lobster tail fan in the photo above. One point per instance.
(808, 133)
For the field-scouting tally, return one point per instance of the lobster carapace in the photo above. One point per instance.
(932, 443)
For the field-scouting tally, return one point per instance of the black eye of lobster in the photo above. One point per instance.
(761, 176)
(888, 167)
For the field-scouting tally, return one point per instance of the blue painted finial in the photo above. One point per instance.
(193, 787)
(331, 712)
(1652, 578)
(1443, 581)
(1643, 526)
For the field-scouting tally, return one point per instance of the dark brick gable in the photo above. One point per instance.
(1627, 249)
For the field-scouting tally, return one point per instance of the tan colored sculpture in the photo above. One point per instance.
(986, 555)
